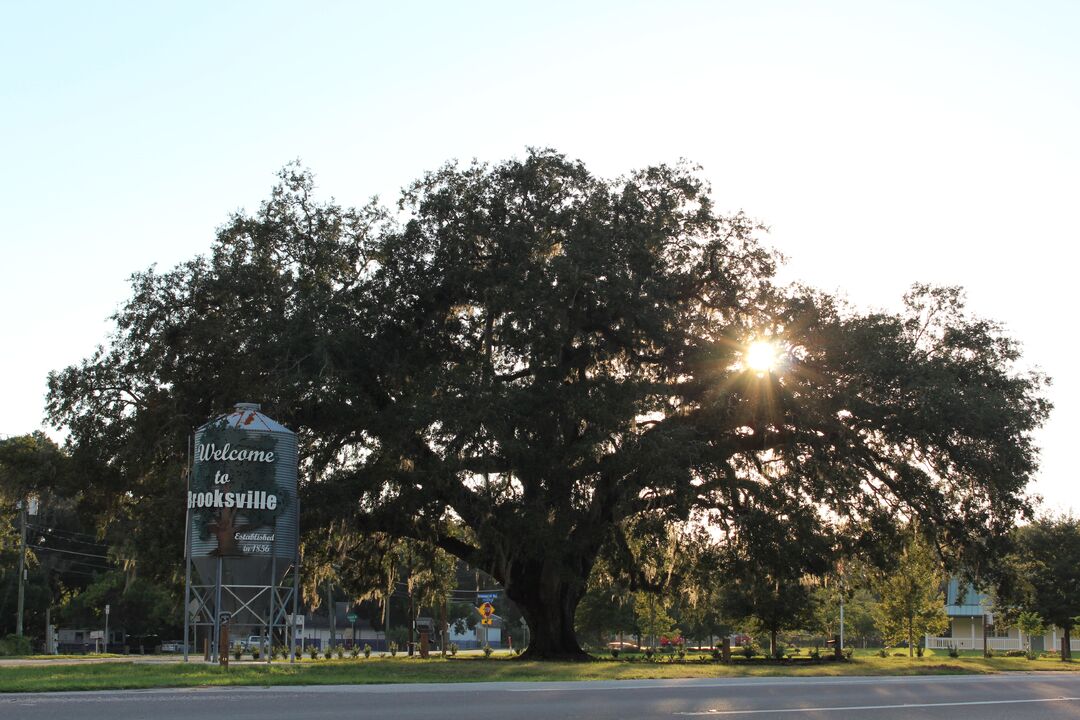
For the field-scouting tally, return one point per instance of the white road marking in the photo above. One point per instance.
(901, 706)
(811, 681)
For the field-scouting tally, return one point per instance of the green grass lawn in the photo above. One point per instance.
(117, 675)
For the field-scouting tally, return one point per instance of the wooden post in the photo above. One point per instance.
(223, 655)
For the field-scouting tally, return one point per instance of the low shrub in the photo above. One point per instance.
(238, 652)
(367, 650)
(717, 654)
(848, 653)
(393, 649)
(255, 652)
(615, 652)
(453, 649)
(953, 652)
(354, 651)
(339, 650)
(748, 651)
(649, 652)
(883, 653)
(15, 645)
(1015, 653)
(487, 650)
(313, 652)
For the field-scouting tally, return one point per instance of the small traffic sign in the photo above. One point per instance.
(351, 617)
(488, 597)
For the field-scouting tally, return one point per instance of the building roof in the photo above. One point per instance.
(246, 416)
(964, 600)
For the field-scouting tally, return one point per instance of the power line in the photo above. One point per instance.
(68, 541)
(70, 552)
(72, 533)
(92, 565)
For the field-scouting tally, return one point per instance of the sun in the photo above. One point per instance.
(760, 356)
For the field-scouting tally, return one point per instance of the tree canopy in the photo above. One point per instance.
(523, 362)
(1041, 577)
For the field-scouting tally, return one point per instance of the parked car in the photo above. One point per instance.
(255, 641)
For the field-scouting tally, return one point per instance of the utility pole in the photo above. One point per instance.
(386, 614)
(445, 630)
(841, 613)
(22, 567)
(330, 608)
(412, 619)
(50, 634)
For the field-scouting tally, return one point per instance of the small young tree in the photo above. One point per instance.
(912, 602)
(1030, 624)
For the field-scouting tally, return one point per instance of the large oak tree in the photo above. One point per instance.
(525, 360)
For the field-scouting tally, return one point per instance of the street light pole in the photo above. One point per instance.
(106, 629)
(22, 567)
(841, 616)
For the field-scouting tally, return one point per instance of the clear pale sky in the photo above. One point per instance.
(883, 142)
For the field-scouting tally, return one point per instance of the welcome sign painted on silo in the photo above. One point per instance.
(242, 494)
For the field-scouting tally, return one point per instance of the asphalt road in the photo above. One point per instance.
(1015, 696)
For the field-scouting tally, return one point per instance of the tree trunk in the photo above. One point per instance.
(1066, 644)
(551, 627)
(548, 598)
(986, 639)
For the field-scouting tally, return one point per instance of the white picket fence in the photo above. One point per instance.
(965, 643)
(996, 643)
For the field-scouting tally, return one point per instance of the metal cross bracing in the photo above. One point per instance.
(253, 606)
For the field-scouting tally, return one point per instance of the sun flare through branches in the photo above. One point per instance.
(761, 356)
